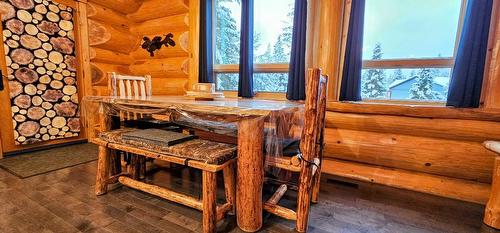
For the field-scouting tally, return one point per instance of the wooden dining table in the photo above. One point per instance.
(249, 115)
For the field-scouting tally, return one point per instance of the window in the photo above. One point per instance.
(273, 26)
(409, 48)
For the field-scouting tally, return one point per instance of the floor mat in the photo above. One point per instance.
(40, 162)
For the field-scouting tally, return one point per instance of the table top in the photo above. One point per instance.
(229, 106)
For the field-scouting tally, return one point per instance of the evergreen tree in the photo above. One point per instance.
(422, 88)
(398, 75)
(373, 85)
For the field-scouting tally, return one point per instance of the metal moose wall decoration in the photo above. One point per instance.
(156, 43)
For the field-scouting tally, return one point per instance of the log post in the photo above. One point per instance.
(492, 210)
(250, 174)
(209, 201)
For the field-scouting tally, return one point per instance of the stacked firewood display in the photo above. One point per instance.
(116, 34)
(41, 64)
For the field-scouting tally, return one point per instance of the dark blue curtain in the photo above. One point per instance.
(206, 53)
(467, 78)
(245, 85)
(296, 74)
(353, 61)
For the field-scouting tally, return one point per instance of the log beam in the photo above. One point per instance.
(122, 6)
(150, 9)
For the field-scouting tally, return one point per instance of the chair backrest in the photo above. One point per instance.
(132, 87)
(314, 120)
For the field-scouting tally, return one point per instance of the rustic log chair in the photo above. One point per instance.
(307, 159)
(492, 210)
(130, 87)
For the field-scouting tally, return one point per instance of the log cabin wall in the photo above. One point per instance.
(115, 38)
(429, 149)
(110, 40)
(169, 68)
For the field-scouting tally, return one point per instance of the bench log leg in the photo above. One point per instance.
(209, 202)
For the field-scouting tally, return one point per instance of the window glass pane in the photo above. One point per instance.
(426, 84)
(226, 81)
(227, 31)
(270, 82)
(410, 28)
(273, 26)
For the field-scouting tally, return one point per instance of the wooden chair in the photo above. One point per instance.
(492, 210)
(130, 87)
(308, 159)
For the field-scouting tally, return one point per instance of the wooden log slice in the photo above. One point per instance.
(66, 25)
(69, 80)
(23, 101)
(47, 105)
(40, 53)
(41, 9)
(36, 100)
(7, 11)
(66, 15)
(30, 89)
(15, 26)
(31, 30)
(98, 34)
(30, 42)
(66, 109)
(69, 90)
(26, 75)
(48, 27)
(12, 44)
(56, 57)
(36, 113)
(23, 4)
(53, 17)
(56, 84)
(52, 95)
(63, 45)
(22, 56)
(54, 8)
(15, 88)
(28, 128)
(24, 16)
(19, 118)
(70, 61)
(58, 122)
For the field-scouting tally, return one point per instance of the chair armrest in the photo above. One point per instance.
(493, 146)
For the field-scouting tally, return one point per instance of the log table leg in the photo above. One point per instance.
(492, 211)
(250, 174)
(209, 202)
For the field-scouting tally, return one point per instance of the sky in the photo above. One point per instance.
(270, 17)
(411, 28)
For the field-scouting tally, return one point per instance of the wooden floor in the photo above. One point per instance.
(63, 201)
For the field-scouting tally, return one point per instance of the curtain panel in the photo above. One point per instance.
(245, 85)
(206, 51)
(468, 72)
(353, 62)
(296, 75)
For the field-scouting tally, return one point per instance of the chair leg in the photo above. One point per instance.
(304, 197)
(230, 186)
(103, 162)
(209, 201)
(134, 166)
(316, 183)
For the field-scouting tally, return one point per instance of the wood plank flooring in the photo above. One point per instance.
(63, 201)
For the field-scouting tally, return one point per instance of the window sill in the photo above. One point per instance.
(414, 110)
(259, 95)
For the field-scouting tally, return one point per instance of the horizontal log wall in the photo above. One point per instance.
(169, 67)
(110, 39)
(425, 147)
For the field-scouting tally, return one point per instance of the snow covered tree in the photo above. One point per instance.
(422, 88)
(373, 85)
(398, 75)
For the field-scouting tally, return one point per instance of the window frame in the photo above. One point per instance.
(416, 63)
(235, 68)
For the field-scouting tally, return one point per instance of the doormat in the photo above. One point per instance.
(44, 161)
